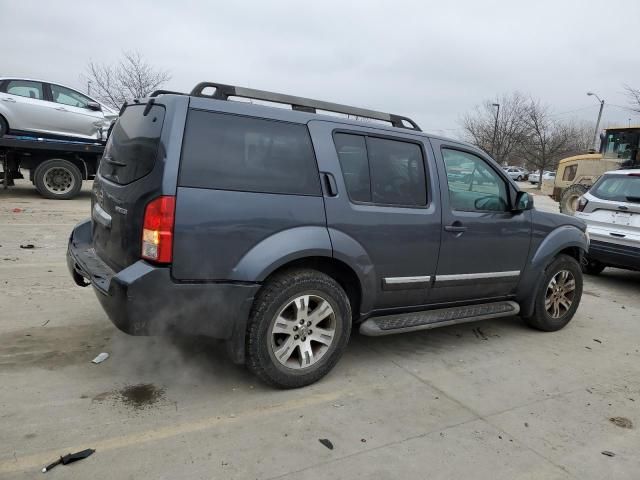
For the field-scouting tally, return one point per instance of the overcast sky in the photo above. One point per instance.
(432, 61)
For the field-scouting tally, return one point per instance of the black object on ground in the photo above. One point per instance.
(27, 246)
(608, 453)
(69, 458)
(326, 442)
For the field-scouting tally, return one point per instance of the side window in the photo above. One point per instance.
(233, 152)
(66, 96)
(570, 172)
(25, 88)
(397, 172)
(382, 171)
(473, 185)
(352, 152)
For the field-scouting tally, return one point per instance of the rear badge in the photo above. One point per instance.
(121, 210)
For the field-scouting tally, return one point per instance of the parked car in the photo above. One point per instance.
(51, 110)
(611, 209)
(280, 230)
(516, 173)
(546, 175)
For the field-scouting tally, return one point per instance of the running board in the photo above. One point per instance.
(427, 319)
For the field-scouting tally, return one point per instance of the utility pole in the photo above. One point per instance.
(88, 87)
(495, 130)
(595, 134)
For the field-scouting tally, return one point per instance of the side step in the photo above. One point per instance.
(427, 319)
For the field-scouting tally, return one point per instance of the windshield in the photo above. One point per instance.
(621, 144)
(618, 188)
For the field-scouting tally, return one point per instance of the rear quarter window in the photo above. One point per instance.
(232, 152)
(132, 148)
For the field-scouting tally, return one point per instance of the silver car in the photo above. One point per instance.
(611, 209)
(516, 173)
(51, 110)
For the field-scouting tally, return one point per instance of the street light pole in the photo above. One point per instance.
(495, 129)
(595, 134)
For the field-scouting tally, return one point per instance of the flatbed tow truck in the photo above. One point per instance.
(56, 167)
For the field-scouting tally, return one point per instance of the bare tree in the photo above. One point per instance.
(497, 134)
(132, 77)
(634, 97)
(547, 140)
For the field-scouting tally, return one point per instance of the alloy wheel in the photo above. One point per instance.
(303, 331)
(560, 294)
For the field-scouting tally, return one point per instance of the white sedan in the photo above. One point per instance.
(546, 175)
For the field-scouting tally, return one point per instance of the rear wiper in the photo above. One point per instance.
(114, 162)
(633, 199)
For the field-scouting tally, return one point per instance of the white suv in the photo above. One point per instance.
(51, 110)
(611, 209)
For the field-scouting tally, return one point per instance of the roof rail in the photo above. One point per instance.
(223, 92)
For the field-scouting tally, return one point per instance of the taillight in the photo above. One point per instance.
(157, 229)
(582, 202)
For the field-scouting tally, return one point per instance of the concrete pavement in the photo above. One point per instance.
(489, 400)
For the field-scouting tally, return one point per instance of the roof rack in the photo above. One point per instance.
(223, 92)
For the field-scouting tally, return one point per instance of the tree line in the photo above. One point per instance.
(523, 131)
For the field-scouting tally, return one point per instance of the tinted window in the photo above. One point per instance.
(397, 172)
(25, 88)
(618, 188)
(473, 184)
(132, 148)
(352, 152)
(382, 171)
(69, 97)
(232, 152)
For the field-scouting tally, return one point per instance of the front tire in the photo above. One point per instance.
(559, 295)
(519, 179)
(58, 179)
(298, 328)
(4, 127)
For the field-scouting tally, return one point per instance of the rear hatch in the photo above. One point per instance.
(128, 177)
(613, 209)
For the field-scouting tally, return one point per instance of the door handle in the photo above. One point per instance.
(61, 109)
(330, 184)
(9, 100)
(455, 227)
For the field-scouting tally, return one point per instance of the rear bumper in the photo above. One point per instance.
(615, 255)
(144, 299)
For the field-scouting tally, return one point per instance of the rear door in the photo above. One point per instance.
(484, 245)
(386, 202)
(129, 176)
(24, 100)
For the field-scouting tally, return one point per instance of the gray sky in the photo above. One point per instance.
(432, 61)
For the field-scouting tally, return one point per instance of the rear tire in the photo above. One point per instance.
(58, 179)
(519, 179)
(592, 267)
(559, 295)
(282, 348)
(569, 198)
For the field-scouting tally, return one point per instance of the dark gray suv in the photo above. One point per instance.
(279, 230)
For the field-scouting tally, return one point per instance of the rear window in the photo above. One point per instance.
(618, 188)
(132, 148)
(232, 152)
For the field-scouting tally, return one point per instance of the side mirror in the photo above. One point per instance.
(522, 202)
(95, 106)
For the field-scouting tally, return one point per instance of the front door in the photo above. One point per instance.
(70, 114)
(385, 211)
(484, 244)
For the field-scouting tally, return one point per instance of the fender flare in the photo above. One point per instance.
(561, 238)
